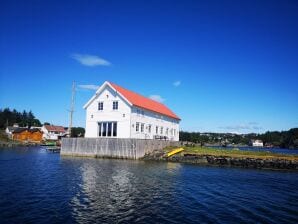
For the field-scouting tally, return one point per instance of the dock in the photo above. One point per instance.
(54, 149)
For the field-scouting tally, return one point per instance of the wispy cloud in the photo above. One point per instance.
(88, 87)
(253, 123)
(157, 98)
(177, 83)
(251, 126)
(90, 60)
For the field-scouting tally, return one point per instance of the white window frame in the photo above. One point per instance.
(100, 106)
(149, 128)
(137, 126)
(115, 105)
(106, 124)
(142, 127)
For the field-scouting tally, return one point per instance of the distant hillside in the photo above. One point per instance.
(9, 117)
(283, 139)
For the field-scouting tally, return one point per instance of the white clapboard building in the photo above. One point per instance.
(116, 112)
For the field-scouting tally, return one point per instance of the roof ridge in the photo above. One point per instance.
(138, 94)
(152, 105)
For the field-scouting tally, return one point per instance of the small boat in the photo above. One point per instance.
(48, 143)
(52, 148)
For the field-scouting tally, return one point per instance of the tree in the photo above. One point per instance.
(30, 118)
(284, 139)
(10, 117)
(24, 119)
(77, 132)
(36, 123)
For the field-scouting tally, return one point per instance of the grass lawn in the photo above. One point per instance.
(3, 136)
(234, 153)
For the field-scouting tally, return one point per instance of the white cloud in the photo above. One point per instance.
(157, 98)
(90, 60)
(177, 83)
(251, 126)
(89, 87)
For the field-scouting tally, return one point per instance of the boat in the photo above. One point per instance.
(52, 148)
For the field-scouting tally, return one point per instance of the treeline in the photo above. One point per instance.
(77, 132)
(283, 139)
(10, 117)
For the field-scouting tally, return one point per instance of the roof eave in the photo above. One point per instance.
(173, 117)
(106, 83)
(94, 96)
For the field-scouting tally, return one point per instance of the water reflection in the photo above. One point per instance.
(173, 167)
(35, 184)
(111, 190)
(149, 192)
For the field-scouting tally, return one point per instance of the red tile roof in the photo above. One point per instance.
(54, 128)
(144, 102)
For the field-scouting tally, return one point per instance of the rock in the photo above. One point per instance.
(226, 161)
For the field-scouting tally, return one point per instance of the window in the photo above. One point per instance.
(161, 130)
(107, 129)
(156, 130)
(137, 126)
(174, 132)
(149, 128)
(167, 131)
(99, 129)
(142, 127)
(115, 105)
(114, 129)
(104, 129)
(100, 106)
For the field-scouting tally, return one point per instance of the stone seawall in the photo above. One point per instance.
(226, 161)
(112, 147)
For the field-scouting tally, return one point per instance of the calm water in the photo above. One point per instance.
(41, 187)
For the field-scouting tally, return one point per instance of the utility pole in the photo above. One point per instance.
(71, 108)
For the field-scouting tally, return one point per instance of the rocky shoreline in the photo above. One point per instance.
(12, 144)
(226, 161)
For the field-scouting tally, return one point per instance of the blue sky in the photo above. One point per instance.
(222, 66)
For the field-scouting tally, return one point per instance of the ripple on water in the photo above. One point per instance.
(40, 187)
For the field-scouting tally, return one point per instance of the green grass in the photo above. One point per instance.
(234, 153)
(3, 136)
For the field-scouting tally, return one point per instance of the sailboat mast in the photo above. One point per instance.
(71, 107)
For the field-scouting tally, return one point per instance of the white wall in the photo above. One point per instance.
(126, 117)
(121, 116)
(150, 118)
(49, 135)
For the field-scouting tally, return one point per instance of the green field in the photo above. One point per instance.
(234, 153)
(3, 136)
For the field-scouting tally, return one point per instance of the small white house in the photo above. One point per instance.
(257, 143)
(52, 132)
(120, 113)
